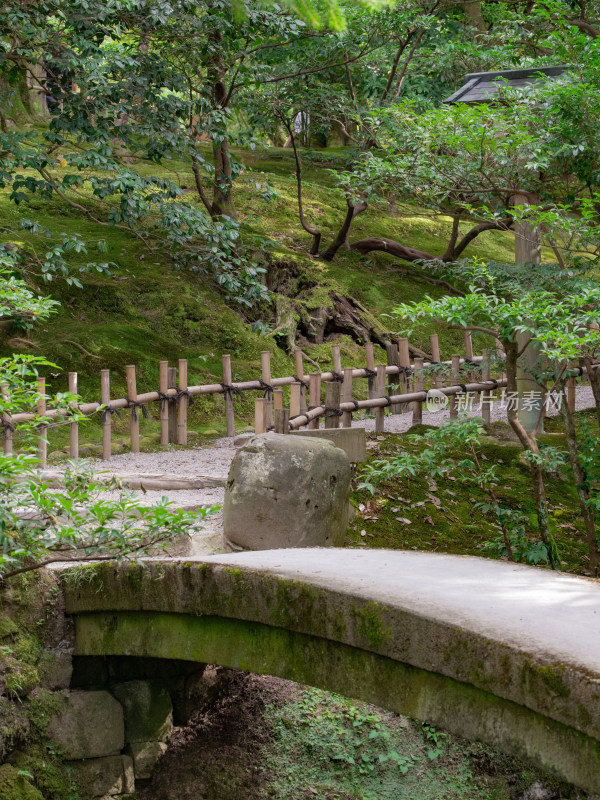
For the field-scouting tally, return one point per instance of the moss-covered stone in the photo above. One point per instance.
(14, 786)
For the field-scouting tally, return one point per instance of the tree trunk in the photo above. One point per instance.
(222, 201)
(594, 378)
(583, 494)
(530, 443)
(341, 237)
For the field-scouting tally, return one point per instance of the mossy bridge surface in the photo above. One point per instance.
(506, 654)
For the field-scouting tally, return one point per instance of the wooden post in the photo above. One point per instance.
(282, 420)
(337, 359)
(393, 360)
(182, 408)
(260, 415)
(571, 393)
(314, 397)
(163, 385)
(332, 401)
(172, 384)
(380, 390)
(265, 363)
(404, 359)
(41, 409)
(134, 417)
(417, 406)
(300, 374)
(106, 416)
(7, 434)
(485, 396)
(469, 351)
(347, 397)
(455, 378)
(371, 365)
(438, 380)
(229, 410)
(277, 400)
(74, 426)
(295, 391)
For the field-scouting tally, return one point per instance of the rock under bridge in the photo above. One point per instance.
(506, 654)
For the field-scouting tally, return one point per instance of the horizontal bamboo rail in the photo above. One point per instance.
(213, 388)
(382, 402)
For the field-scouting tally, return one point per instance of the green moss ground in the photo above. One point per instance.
(327, 747)
(419, 514)
(147, 311)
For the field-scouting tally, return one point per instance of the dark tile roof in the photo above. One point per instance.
(484, 87)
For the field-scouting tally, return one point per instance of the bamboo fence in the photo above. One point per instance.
(306, 405)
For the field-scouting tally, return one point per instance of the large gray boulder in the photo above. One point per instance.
(147, 708)
(287, 491)
(105, 777)
(90, 725)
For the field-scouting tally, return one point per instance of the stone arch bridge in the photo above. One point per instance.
(506, 654)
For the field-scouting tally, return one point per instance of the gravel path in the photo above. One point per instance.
(214, 461)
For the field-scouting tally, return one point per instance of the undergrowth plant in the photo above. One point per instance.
(440, 453)
(41, 524)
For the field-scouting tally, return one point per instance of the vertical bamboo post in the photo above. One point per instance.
(417, 405)
(371, 365)
(229, 410)
(282, 420)
(380, 390)
(265, 363)
(435, 354)
(300, 374)
(134, 418)
(404, 358)
(182, 408)
(41, 409)
(172, 384)
(295, 391)
(277, 400)
(347, 397)
(314, 397)
(455, 378)
(332, 401)
(74, 426)
(393, 360)
(260, 415)
(106, 416)
(337, 359)
(7, 435)
(469, 351)
(163, 385)
(486, 411)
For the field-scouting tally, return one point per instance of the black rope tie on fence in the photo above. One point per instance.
(266, 387)
(370, 373)
(470, 363)
(338, 377)
(6, 426)
(302, 381)
(407, 371)
(463, 387)
(388, 401)
(228, 388)
(184, 393)
(355, 404)
(494, 381)
(134, 405)
(108, 412)
(333, 412)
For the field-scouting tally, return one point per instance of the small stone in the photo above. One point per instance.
(147, 708)
(89, 726)
(56, 668)
(145, 757)
(242, 438)
(211, 432)
(538, 792)
(105, 777)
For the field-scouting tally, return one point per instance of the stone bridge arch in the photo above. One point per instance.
(505, 654)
